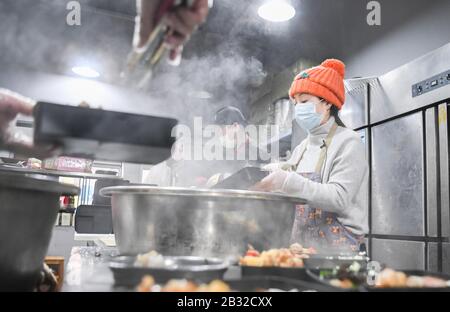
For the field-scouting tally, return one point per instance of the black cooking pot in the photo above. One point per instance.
(28, 209)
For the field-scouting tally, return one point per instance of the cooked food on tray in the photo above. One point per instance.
(345, 276)
(181, 285)
(129, 270)
(291, 257)
(148, 284)
(389, 278)
(344, 283)
(354, 276)
(150, 259)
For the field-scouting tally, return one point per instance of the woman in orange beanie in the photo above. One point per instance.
(328, 168)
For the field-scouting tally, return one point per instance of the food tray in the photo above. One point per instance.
(314, 276)
(268, 284)
(274, 283)
(198, 269)
(103, 135)
(292, 273)
(243, 179)
(331, 262)
(411, 289)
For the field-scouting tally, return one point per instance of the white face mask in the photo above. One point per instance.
(306, 116)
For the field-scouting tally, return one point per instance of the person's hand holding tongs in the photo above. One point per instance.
(12, 104)
(162, 26)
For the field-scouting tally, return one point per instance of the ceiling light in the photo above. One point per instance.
(85, 71)
(276, 11)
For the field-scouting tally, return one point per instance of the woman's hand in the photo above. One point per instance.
(182, 23)
(12, 104)
(271, 167)
(273, 182)
(277, 166)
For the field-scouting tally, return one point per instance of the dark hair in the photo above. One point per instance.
(229, 115)
(334, 111)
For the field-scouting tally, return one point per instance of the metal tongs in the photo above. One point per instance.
(141, 63)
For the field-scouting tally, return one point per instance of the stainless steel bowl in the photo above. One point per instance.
(184, 222)
(28, 209)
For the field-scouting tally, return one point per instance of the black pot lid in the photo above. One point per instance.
(35, 183)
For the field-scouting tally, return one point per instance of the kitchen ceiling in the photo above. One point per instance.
(35, 34)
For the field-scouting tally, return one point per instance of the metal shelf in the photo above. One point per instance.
(57, 173)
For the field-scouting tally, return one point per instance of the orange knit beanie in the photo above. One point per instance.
(325, 81)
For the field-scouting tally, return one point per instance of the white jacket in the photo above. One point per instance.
(344, 187)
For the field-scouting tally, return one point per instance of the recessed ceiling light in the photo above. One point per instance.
(276, 11)
(85, 71)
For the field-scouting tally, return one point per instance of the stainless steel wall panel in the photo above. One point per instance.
(363, 133)
(446, 258)
(444, 169)
(367, 242)
(391, 95)
(400, 255)
(355, 110)
(397, 177)
(432, 171)
(433, 257)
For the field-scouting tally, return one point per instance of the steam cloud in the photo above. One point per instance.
(36, 37)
